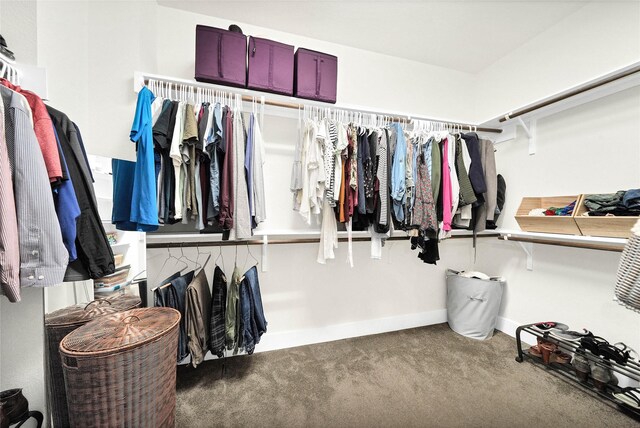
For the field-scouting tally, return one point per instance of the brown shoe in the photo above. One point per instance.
(547, 348)
(14, 405)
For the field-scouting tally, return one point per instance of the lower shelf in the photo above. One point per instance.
(566, 372)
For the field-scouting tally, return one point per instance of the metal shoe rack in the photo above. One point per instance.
(565, 371)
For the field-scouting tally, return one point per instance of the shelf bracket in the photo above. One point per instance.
(531, 133)
(265, 255)
(527, 247)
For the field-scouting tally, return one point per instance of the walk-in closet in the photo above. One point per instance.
(319, 213)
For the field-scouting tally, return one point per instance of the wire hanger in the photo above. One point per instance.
(184, 257)
(170, 256)
(249, 253)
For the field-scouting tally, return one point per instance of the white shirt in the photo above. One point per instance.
(176, 155)
(257, 162)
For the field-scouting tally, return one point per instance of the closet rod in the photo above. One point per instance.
(297, 106)
(579, 90)
(156, 245)
(587, 245)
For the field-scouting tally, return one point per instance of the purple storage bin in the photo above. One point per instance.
(221, 56)
(270, 66)
(316, 75)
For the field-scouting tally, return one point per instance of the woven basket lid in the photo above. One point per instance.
(79, 314)
(82, 314)
(125, 302)
(120, 331)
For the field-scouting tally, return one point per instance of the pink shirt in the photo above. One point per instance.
(447, 203)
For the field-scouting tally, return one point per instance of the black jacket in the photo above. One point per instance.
(94, 251)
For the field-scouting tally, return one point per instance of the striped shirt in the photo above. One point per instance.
(43, 256)
(330, 162)
(9, 248)
(383, 177)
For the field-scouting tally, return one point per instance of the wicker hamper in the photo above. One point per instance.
(62, 322)
(120, 370)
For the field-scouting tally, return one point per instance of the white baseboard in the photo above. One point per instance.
(330, 333)
(291, 339)
(509, 327)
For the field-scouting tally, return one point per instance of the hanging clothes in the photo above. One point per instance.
(67, 208)
(232, 312)
(398, 172)
(9, 240)
(43, 256)
(94, 252)
(257, 178)
(198, 315)
(241, 214)
(43, 129)
(218, 313)
(227, 177)
(253, 324)
(144, 209)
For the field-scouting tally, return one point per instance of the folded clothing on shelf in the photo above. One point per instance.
(621, 203)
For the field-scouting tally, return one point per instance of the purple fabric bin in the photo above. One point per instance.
(270, 66)
(221, 56)
(316, 75)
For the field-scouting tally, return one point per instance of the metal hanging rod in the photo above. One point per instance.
(156, 245)
(142, 79)
(577, 91)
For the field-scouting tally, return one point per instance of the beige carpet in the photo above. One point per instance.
(423, 377)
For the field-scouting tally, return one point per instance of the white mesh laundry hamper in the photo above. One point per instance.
(473, 304)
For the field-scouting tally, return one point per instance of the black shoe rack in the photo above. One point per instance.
(566, 372)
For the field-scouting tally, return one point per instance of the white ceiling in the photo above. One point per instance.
(456, 34)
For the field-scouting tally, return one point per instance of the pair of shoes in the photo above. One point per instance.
(618, 352)
(581, 366)
(549, 353)
(629, 397)
(569, 335)
(548, 325)
(602, 375)
(14, 405)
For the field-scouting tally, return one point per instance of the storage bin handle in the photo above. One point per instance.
(220, 47)
(477, 299)
(253, 49)
(126, 319)
(318, 74)
(98, 302)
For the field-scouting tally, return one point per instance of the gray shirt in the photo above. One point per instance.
(43, 256)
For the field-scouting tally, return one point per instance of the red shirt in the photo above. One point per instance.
(43, 128)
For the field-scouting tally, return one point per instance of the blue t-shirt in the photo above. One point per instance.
(144, 206)
(67, 208)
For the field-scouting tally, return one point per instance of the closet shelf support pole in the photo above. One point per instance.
(531, 133)
(527, 247)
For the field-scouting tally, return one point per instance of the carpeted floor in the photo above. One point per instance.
(423, 377)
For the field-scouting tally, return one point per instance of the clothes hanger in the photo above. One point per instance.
(171, 256)
(220, 257)
(247, 258)
(183, 257)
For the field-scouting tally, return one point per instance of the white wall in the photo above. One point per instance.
(599, 38)
(90, 50)
(589, 149)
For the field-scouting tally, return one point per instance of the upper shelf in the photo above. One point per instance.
(589, 242)
(286, 106)
(610, 83)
